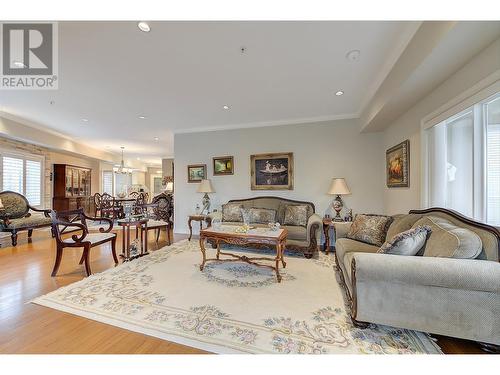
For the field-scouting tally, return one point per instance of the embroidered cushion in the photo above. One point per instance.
(14, 205)
(232, 212)
(370, 229)
(408, 242)
(296, 215)
(450, 241)
(262, 215)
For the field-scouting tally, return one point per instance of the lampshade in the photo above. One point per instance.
(169, 186)
(205, 187)
(1, 204)
(338, 187)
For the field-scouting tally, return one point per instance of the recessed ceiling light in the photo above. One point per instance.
(225, 107)
(157, 139)
(340, 92)
(144, 26)
(85, 120)
(138, 158)
(142, 117)
(353, 55)
(19, 64)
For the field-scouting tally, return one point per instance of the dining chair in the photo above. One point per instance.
(61, 224)
(160, 212)
(110, 208)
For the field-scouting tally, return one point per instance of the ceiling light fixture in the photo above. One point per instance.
(144, 26)
(339, 93)
(121, 169)
(85, 120)
(226, 107)
(156, 139)
(142, 117)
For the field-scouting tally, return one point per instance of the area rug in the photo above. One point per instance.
(231, 307)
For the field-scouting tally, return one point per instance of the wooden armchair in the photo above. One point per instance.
(61, 224)
(15, 215)
(160, 213)
(109, 208)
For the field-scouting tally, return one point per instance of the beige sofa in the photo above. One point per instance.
(302, 239)
(446, 296)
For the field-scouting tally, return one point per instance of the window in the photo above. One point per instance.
(114, 183)
(463, 162)
(107, 182)
(22, 174)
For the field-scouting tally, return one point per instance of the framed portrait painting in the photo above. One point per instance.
(271, 171)
(197, 172)
(398, 165)
(223, 165)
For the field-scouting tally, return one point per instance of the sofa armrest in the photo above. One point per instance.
(465, 274)
(341, 229)
(314, 223)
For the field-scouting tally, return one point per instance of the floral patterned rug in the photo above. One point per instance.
(231, 307)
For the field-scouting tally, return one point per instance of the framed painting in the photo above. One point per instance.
(197, 172)
(398, 165)
(271, 171)
(223, 165)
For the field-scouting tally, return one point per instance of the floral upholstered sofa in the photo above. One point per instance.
(448, 292)
(299, 218)
(15, 215)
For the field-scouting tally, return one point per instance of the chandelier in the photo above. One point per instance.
(122, 169)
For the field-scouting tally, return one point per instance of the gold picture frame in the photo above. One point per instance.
(271, 171)
(196, 172)
(397, 164)
(223, 165)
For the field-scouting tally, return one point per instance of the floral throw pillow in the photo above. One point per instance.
(232, 212)
(370, 229)
(296, 215)
(262, 215)
(409, 242)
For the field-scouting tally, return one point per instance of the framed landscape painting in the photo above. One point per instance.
(271, 171)
(398, 165)
(197, 172)
(223, 165)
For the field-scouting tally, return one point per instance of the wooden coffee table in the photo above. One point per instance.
(258, 236)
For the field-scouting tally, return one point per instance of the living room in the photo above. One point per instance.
(232, 184)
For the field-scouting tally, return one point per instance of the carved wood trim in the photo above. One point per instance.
(273, 197)
(464, 219)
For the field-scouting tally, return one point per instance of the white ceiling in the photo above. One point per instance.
(182, 73)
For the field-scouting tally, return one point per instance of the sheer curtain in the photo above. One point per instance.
(450, 156)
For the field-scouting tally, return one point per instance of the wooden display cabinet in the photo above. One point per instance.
(72, 188)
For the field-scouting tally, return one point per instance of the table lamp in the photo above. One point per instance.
(170, 187)
(205, 187)
(338, 187)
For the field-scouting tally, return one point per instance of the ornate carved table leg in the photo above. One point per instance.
(202, 248)
(145, 229)
(282, 253)
(218, 250)
(277, 261)
(190, 229)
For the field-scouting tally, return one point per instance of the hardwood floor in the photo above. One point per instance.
(28, 328)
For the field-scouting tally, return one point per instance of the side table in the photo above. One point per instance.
(200, 218)
(140, 224)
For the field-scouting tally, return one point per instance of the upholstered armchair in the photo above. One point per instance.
(17, 215)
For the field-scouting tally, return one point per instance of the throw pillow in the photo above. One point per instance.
(408, 242)
(232, 212)
(296, 215)
(262, 215)
(450, 241)
(371, 229)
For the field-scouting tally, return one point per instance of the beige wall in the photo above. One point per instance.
(321, 151)
(51, 158)
(400, 200)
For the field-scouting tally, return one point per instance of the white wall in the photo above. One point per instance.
(321, 151)
(400, 200)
